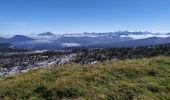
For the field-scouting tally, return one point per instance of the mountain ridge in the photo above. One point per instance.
(89, 40)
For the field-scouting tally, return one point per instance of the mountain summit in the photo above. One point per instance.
(20, 38)
(46, 34)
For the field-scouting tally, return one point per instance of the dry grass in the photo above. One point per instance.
(141, 79)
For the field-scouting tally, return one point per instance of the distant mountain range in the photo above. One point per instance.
(50, 41)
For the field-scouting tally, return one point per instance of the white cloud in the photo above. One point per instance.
(145, 36)
(71, 44)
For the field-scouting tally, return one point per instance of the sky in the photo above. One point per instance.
(77, 16)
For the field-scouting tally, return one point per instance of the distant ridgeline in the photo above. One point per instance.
(7, 47)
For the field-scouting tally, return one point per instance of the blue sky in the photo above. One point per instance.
(74, 16)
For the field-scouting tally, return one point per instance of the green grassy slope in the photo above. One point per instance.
(142, 79)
